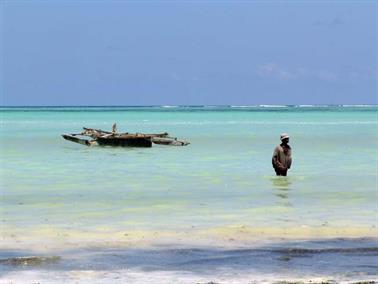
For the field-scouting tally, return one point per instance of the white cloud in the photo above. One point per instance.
(274, 70)
(268, 69)
(329, 22)
(326, 75)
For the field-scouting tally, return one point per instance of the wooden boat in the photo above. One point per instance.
(106, 138)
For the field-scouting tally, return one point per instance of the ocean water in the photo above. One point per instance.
(210, 211)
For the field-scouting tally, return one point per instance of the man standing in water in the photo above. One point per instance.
(281, 159)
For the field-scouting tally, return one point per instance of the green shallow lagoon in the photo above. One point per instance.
(222, 184)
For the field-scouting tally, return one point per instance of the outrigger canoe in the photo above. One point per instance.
(107, 138)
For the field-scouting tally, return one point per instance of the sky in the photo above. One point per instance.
(188, 52)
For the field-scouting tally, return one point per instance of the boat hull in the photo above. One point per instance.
(125, 142)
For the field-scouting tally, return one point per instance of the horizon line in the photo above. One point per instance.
(195, 105)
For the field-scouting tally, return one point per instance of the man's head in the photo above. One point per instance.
(285, 138)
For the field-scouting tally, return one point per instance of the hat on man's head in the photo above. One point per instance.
(284, 136)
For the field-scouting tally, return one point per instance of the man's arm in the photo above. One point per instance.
(275, 161)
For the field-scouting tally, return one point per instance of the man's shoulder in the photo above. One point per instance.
(278, 148)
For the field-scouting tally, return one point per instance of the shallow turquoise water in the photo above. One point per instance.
(223, 178)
